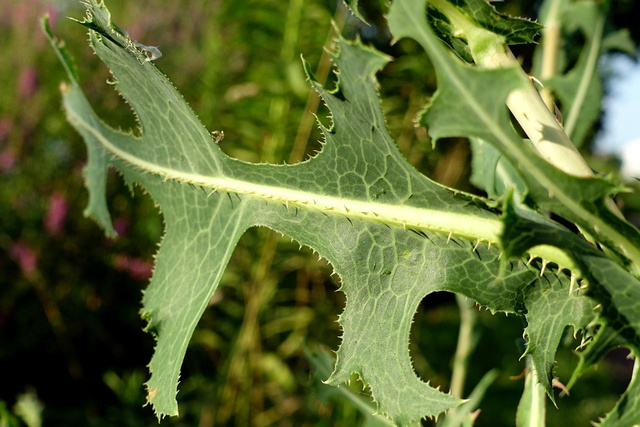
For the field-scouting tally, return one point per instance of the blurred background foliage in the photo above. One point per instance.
(72, 347)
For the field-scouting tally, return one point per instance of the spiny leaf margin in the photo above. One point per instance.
(396, 267)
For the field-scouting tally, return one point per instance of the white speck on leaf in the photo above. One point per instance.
(152, 52)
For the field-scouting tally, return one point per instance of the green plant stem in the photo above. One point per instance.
(240, 395)
(490, 51)
(587, 76)
(540, 125)
(532, 407)
(551, 37)
(466, 343)
(281, 105)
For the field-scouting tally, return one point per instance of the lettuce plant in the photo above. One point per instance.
(547, 243)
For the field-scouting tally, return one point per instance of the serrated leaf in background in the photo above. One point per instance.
(627, 409)
(580, 88)
(445, 117)
(492, 172)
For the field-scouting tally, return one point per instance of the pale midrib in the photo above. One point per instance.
(465, 225)
(458, 224)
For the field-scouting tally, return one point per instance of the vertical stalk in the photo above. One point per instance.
(313, 99)
(587, 76)
(551, 37)
(540, 125)
(532, 408)
(466, 343)
(281, 105)
(547, 135)
(241, 397)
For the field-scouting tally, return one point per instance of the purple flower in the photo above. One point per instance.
(8, 160)
(56, 213)
(28, 83)
(5, 127)
(24, 256)
(121, 225)
(137, 268)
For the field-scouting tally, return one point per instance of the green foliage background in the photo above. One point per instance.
(69, 297)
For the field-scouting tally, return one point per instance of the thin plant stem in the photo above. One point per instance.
(281, 105)
(547, 135)
(467, 340)
(587, 76)
(240, 393)
(532, 408)
(313, 100)
(551, 38)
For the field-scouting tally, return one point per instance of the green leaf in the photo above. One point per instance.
(346, 208)
(615, 288)
(483, 15)
(549, 311)
(322, 363)
(532, 407)
(627, 409)
(353, 7)
(350, 203)
(447, 33)
(598, 340)
(97, 159)
(580, 89)
(492, 172)
(392, 235)
(460, 107)
(465, 414)
(610, 284)
(514, 30)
